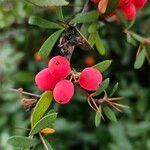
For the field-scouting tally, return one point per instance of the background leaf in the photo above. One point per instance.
(49, 2)
(24, 142)
(41, 107)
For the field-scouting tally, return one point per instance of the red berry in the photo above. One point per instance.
(139, 3)
(45, 81)
(90, 79)
(95, 1)
(59, 67)
(63, 91)
(129, 11)
(123, 3)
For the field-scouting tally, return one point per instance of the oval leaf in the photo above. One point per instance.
(43, 23)
(110, 114)
(45, 122)
(41, 107)
(140, 59)
(99, 45)
(85, 17)
(102, 66)
(49, 2)
(98, 117)
(102, 87)
(114, 89)
(49, 44)
(21, 141)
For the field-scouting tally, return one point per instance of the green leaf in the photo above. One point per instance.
(49, 44)
(102, 87)
(122, 18)
(59, 13)
(46, 122)
(140, 59)
(110, 114)
(91, 39)
(41, 107)
(85, 17)
(93, 27)
(114, 89)
(138, 37)
(24, 142)
(130, 39)
(99, 45)
(49, 2)
(98, 117)
(104, 65)
(40, 22)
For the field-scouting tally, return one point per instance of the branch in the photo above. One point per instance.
(20, 91)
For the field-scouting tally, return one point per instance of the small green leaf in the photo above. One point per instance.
(98, 117)
(91, 39)
(93, 27)
(85, 17)
(41, 107)
(114, 89)
(46, 122)
(49, 44)
(140, 59)
(99, 45)
(21, 141)
(130, 39)
(59, 13)
(40, 22)
(44, 3)
(102, 87)
(104, 65)
(138, 37)
(110, 114)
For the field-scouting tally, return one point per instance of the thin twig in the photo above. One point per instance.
(43, 141)
(20, 91)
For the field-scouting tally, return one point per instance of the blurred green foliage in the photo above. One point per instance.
(75, 127)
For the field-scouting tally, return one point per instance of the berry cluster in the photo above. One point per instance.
(54, 78)
(130, 7)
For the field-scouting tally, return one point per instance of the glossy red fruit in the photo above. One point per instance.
(45, 81)
(63, 91)
(123, 3)
(95, 1)
(59, 67)
(129, 11)
(139, 3)
(90, 79)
